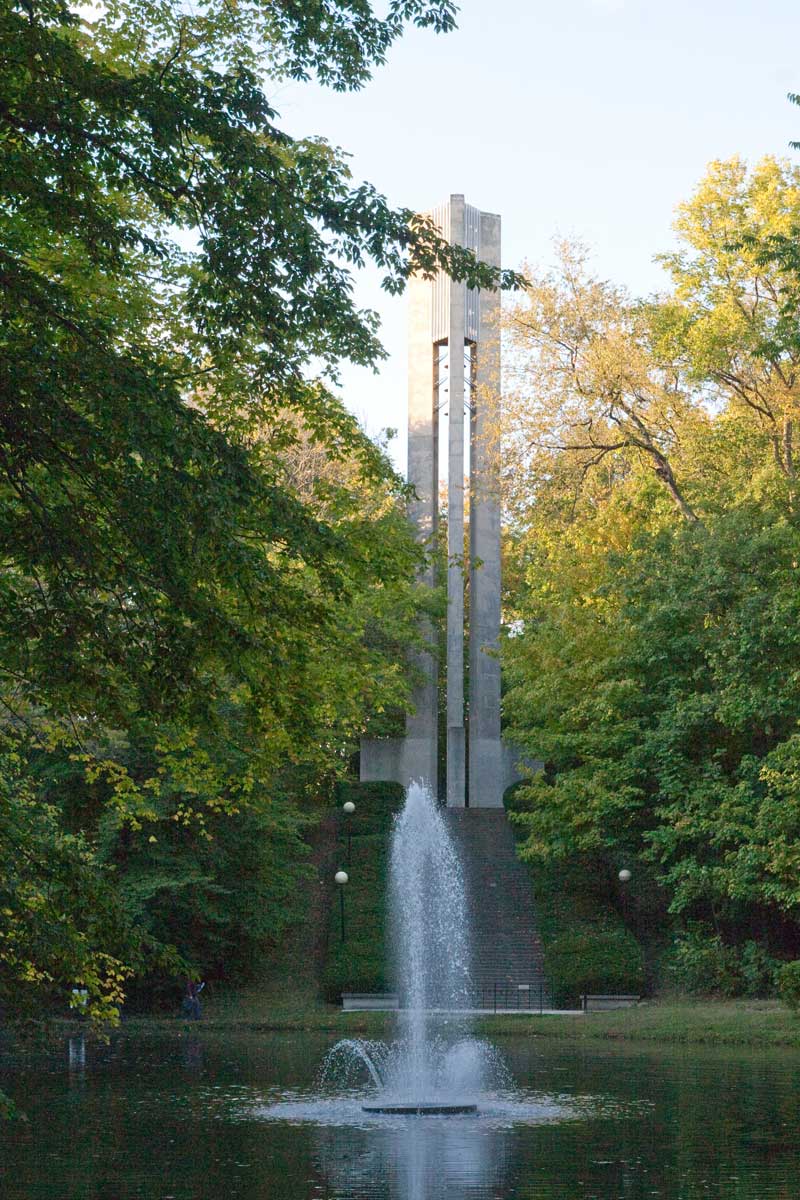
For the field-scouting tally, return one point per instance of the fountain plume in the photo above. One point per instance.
(428, 920)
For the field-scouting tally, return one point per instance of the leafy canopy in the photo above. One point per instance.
(184, 623)
(655, 665)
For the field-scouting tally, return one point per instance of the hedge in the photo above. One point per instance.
(359, 964)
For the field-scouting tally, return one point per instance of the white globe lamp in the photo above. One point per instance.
(341, 877)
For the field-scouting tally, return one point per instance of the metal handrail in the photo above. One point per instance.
(502, 995)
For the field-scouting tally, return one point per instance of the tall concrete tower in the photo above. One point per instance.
(454, 370)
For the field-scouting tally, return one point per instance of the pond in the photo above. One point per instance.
(192, 1115)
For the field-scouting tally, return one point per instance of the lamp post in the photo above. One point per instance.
(624, 878)
(341, 878)
(348, 808)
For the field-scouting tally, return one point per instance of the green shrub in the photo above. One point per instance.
(701, 964)
(587, 947)
(788, 981)
(516, 799)
(593, 958)
(376, 805)
(758, 969)
(9, 1110)
(359, 964)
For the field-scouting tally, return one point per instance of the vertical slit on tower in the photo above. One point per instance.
(470, 376)
(440, 397)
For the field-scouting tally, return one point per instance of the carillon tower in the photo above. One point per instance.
(454, 376)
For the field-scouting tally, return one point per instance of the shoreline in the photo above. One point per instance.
(712, 1023)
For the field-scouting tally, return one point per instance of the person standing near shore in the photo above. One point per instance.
(191, 1002)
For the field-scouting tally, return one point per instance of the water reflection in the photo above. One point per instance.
(76, 1063)
(424, 1159)
(147, 1118)
(76, 1054)
(192, 1055)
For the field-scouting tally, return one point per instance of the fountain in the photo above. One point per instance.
(428, 923)
(434, 1067)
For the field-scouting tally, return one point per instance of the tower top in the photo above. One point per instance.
(465, 225)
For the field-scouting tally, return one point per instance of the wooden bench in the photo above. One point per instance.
(606, 1003)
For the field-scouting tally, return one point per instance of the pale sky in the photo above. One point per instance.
(585, 118)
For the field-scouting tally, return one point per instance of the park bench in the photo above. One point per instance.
(369, 1001)
(604, 1003)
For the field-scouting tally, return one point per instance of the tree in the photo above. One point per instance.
(174, 280)
(736, 304)
(655, 661)
(588, 382)
(114, 142)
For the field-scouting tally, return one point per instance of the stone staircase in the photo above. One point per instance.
(506, 948)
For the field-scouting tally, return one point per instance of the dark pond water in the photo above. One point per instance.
(179, 1117)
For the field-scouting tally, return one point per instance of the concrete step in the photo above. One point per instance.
(506, 947)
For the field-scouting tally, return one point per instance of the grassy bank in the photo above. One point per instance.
(723, 1023)
(713, 1023)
